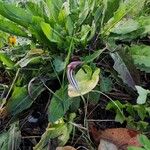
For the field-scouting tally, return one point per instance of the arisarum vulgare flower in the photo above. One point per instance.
(70, 70)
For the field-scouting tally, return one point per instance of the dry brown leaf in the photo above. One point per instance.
(121, 137)
(65, 148)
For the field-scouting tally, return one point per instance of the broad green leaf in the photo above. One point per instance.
(141, 56)
(64, 12)
(135, 148)
(15, 14)
(37, 9)
(119, 117)
(12, 28)
(114, 105)
(53, 9)
(125, 8)
(144, 22)
(117, 107)
(3, 38)
(92, 31)
(69, 25)
(62, 16)
(142, 94)
(93, 97)
(11, 139)
(75, 104)
(36, 30)
(142, 30)
(144, 141)
(130, 109)
(21, 100)
(125, 26)
(59, 64)
(141, 111)
(86, 80)
(85, 29)
(93, 56)
(109, 7)
(50, 33)
(106, 84)
(61, 130)
(60, 101)
(84, 9)
(6, 60)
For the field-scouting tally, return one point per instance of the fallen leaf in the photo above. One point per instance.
(121, 137)
(65, 148)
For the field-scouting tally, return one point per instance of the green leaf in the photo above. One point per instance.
(119, 117)
(144, 22)
(94, 97)
(125, 26)
(114, 105)
(37, 9)
(53, 9)
(142, 95)
(60, 103)
(84, 11)
(12, 28)
(85, 30)
(141, 57)
(135, 148)
(50, 33)
(69, 25)
(59, 64)
(36, 30)
(64, 13)
(144, 141)
(3, 38)
(21, 100)
(125, 8)
(61, 130)
(6, 60)
(75, 104)
(12, 138)
(141, 111)
(142, 125)
(15, 14)
(86, 81)
(117, 107)
(93, 56)
(130, 109)
(106, 85)
(109, 7)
